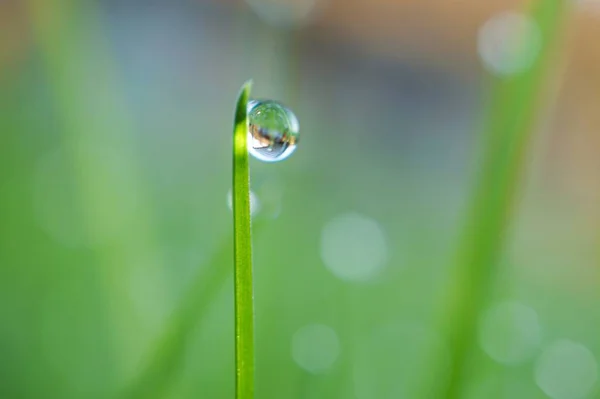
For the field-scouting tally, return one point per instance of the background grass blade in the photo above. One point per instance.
(242, 249)
(165, 359)
(508, 132)
(94, 127)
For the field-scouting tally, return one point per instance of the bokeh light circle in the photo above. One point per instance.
(508, 43)
(566, 370)
(510, 332)
(354, 247)
(315, 348)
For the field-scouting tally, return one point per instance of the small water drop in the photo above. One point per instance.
(273, 130)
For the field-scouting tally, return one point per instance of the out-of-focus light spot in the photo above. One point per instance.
(315, 348)
(508, 43)
(271, 197)
(353, 247)
(566, 370)
(510, 333)
(254, 202)
(55, 200)
(393, 360)
(285, 13)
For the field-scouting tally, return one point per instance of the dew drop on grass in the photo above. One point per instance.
(273, 130)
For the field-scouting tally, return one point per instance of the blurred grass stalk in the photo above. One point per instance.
(166, 356)
(242, 250)
(97, 139)
(508, 132)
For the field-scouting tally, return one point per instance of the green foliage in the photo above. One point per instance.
(508, 133)
(74, 323)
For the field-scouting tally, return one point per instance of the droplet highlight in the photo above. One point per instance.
(273, 130)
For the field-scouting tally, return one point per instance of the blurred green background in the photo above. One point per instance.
(115, 168)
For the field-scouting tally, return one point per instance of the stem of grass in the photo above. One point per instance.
(242, 253)
(508, 131)
(166, 356)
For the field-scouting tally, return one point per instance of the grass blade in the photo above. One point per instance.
(242, 252)
(508, 132)
(165, 359)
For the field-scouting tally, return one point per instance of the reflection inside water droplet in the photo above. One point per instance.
(273, 130)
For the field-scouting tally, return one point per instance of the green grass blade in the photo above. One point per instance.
(242, 252)
(508, 132)
(165, 358)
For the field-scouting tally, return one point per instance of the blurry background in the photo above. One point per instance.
(115, 167)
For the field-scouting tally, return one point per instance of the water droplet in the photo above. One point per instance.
(273, 130)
